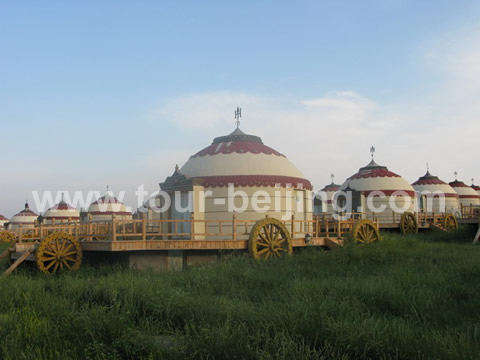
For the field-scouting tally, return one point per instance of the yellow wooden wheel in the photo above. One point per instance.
(408, 223)
(59, 251)
(450, 222)
(7, 237)
(365, 232)
(269, 238)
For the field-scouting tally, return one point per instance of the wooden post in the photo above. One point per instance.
(144, 229)
(293, 226)
(192, 226)
(20, 233)
(114, 228)
(234, 227)
(89, 227)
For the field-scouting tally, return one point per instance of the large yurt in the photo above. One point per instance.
(237, 175)
(380, 193)
(468, 196)
(3, 221)
(436, 196)
(107, 207)
(323, 203)
(25, 219)
(61, 213)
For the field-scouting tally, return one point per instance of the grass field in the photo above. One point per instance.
(412, 297)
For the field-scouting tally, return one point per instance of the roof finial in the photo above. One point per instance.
(372, 151)
(456, 175)
(332, 176)
(473, 181)
(63, 196)
(108, 189)
(428, 167)
(176, 167)
(238, 115)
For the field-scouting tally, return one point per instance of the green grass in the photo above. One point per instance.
(414, 297)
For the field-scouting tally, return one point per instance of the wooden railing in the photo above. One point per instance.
(191, 229)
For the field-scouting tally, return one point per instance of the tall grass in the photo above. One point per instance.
(415, 297)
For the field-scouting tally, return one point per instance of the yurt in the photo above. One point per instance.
(323, 203)
(436, 196)
(380, 193)
(476, 187)
(107, 207)
(25, 219)
(3, 221)
(468, 196)
(61, 213)
(236, 175)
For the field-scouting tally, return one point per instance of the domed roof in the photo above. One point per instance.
(432, 183)
(476, 188)
(109, 205)
(331, 187)
(463, 190)
(3, 218)
(26, 216)
(242, 160)
(61, 211)
(374, 177)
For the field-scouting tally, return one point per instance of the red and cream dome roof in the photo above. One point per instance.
(476, 188)
(431, 183)
(24, 217)
(374, 177)
(62, 211)
(465, 192)
(243, 160)
(3, 220)
(109, 205)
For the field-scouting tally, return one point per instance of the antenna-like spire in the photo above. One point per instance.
(108, 189)
(63, 196)
(332, 176)
(372, 151)
(428, 167)
(456, 175)
(238, 115)
(473, 181)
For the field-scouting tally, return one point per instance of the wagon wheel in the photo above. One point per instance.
(269, 238)
(365, 232)
(7, 237)
(59, 251)
(450, 222)
(408, 223)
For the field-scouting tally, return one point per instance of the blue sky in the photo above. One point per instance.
(118, 92)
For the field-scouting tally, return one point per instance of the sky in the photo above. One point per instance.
(119, 92)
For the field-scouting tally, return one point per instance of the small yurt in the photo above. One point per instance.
(3, 221)
(107, 207)
(25, 219)
(436, 196)
(476, 187)
(468, 196)
(61, 213)
(380, 193)
(237, 175)
(323, 203)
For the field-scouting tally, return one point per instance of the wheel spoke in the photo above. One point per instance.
(50, 265)
(265, 240)
(55, 267)
(263, 251)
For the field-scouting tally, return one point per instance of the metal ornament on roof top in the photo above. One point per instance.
(238, 115)
(456, 175)
(372, 151)
(332, 176)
